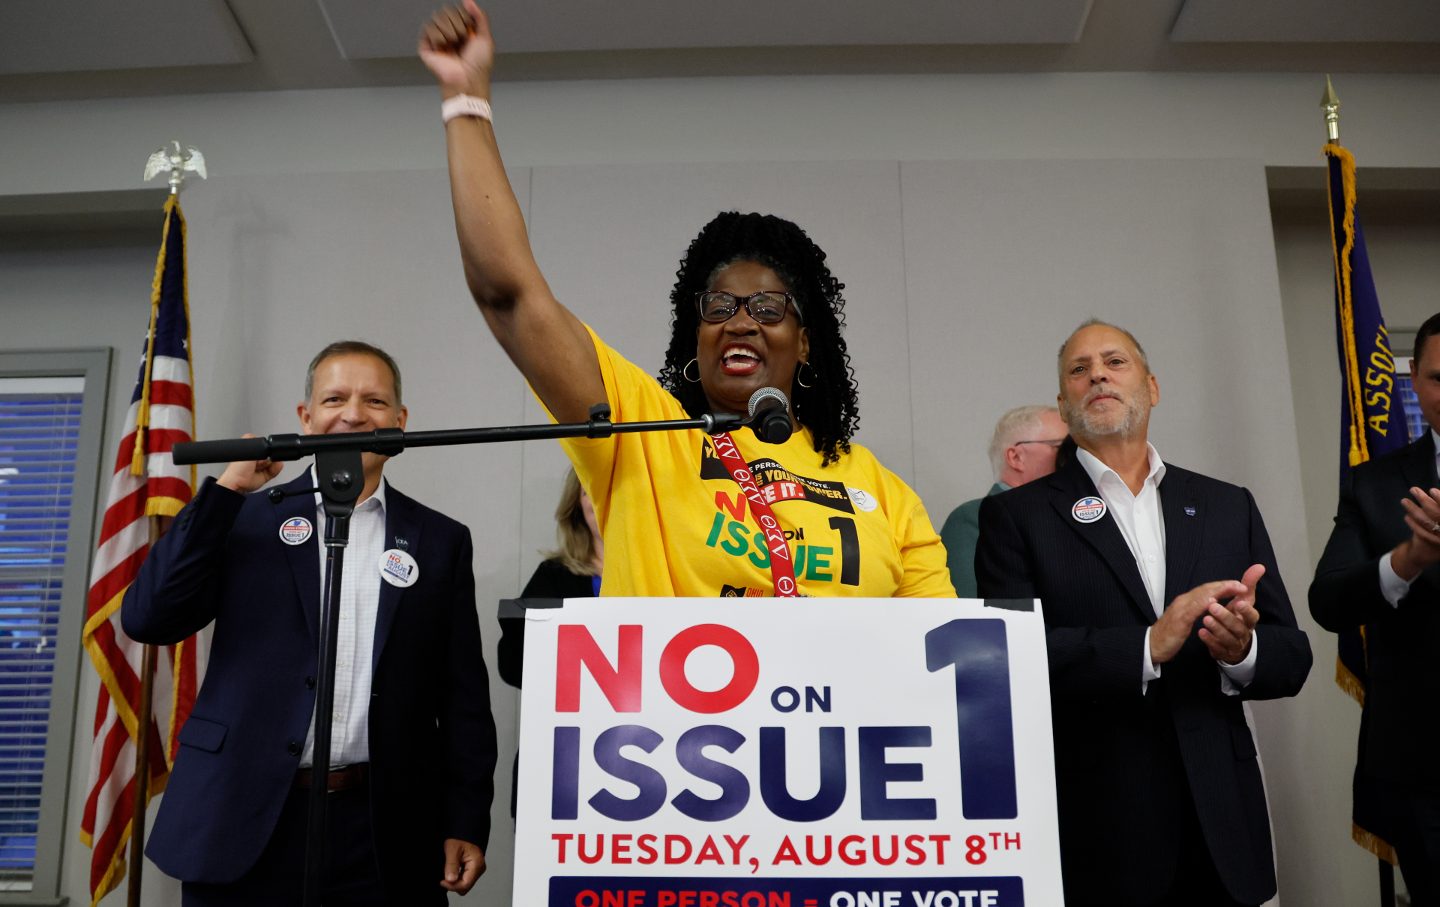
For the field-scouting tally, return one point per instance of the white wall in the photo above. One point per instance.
(92, 145)
(1138, 198)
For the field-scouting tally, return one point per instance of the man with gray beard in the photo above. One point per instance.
(1163, 611)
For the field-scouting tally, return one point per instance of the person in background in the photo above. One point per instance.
(570, 571)
(1022, 448)
(1381, 572)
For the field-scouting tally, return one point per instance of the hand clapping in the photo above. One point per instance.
(1227, 608)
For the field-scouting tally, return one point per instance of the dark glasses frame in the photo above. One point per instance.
(739, 302)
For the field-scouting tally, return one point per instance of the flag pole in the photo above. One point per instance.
(135, 877)
(174, 163)
(1330, 103)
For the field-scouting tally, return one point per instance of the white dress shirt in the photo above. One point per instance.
(355, 638)
(1142, 523)
(1391, 585)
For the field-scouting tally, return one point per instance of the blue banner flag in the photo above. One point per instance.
(1372, 420)
(1368, 427)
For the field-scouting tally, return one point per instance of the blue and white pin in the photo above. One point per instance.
(296, 531)
(398, 568)
(1088, 510)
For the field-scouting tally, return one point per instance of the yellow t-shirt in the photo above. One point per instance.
(675, 523)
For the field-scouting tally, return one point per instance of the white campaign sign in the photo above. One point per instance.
(784, 753)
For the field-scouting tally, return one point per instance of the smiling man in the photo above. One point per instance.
(1163, 611)
(413, 746)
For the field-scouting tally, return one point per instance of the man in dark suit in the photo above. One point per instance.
(1158, 626)
(1379, 571)
(413, 747)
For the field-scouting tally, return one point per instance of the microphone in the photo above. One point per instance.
(770, 415)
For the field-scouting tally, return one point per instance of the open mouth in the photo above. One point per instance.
(739, 360)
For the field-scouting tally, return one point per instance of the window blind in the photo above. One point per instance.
(39, 435)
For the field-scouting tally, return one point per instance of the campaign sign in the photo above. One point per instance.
(784, 753)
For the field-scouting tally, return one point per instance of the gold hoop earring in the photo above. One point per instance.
(800, 372)
(685, 372)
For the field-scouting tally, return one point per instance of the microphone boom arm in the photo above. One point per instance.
(393, 441)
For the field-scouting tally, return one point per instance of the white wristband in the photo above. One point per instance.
(464, 105)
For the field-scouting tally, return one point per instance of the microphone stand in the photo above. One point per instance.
(340, 476)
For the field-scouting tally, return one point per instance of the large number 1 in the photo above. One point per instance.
(849, 550)
(978, 650)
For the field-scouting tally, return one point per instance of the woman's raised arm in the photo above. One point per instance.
(544, 339)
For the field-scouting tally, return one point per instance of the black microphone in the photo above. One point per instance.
(770, 415)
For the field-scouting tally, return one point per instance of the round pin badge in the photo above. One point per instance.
(398, 568)
(296, 531)
(1088, 510)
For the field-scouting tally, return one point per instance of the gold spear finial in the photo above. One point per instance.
(1331, 105)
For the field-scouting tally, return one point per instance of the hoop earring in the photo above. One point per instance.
(800, 372)
(685, 372)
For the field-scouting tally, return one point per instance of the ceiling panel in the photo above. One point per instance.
(1308, 21)
(134, 48)
(42, 36)
(373, 29)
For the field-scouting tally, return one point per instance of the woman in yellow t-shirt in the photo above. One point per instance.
(755, 306)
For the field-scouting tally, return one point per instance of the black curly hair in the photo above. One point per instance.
(829, 407)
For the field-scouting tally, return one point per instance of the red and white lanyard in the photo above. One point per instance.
(782, 565)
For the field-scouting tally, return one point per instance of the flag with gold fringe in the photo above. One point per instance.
(145, 487)
(1372, 422)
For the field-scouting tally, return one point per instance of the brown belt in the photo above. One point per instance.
(343, 778)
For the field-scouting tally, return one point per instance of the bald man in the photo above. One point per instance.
(1022, 449)
(1164, 612)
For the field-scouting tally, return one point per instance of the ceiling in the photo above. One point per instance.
(130, 48)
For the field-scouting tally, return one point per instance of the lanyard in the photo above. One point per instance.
(782, 566)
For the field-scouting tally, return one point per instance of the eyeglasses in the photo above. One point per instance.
(765, 307)
(1052, 442)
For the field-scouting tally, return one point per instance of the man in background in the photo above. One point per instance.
(1022, 449)
(1379, 571)
(413, 751)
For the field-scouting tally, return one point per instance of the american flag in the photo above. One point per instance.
(145, 485)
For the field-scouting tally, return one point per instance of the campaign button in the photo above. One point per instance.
(398, 568)
(1088, 510)
(296, 531)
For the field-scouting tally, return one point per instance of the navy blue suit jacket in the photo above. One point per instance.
(432, 737)
(1398, 733)
(1126, 762)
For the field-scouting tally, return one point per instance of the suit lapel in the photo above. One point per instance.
(1419, 465)
(402, 530)
(1069, 485)
(304, 559)
(1184, 527)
